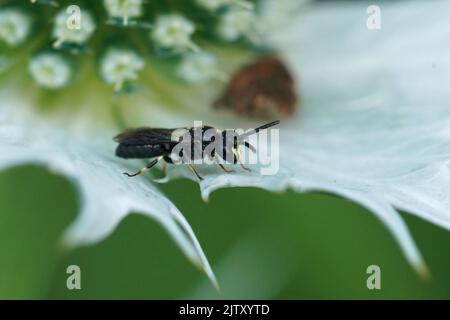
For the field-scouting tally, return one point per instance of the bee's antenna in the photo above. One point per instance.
(256, 130)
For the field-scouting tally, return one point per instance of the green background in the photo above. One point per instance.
(261, 246)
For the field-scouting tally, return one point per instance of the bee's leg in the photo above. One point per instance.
(225, 169)
(222, 166)
(149, 165)
(195, 171)
(237, 154)
(244, 167)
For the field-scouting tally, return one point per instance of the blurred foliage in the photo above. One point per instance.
(261, 245)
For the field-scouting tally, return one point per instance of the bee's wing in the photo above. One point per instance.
(145, 136)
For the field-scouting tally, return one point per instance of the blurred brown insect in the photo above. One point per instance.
(264, 88)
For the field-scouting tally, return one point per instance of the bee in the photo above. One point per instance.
(205, 141)
(263, 88)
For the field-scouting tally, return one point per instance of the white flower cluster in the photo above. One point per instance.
(120, 65)
(65, 31)
(174, 32)
(50, 70)
(14, 26)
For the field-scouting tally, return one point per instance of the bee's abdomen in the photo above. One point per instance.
(139, 151)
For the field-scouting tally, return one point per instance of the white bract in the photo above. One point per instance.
(14, 26)
(50, 70)
(120, 65)
(124, 9)
(64, 32)
(173, 32)
(198, 67)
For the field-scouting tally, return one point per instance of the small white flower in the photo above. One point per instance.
(173, 32)
(120, 65)
(14, 26)
(50, 70)
(124, 9)
(199, 67)
(237, 23)
(62, 33)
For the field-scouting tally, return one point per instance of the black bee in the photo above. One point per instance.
(171, 145)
